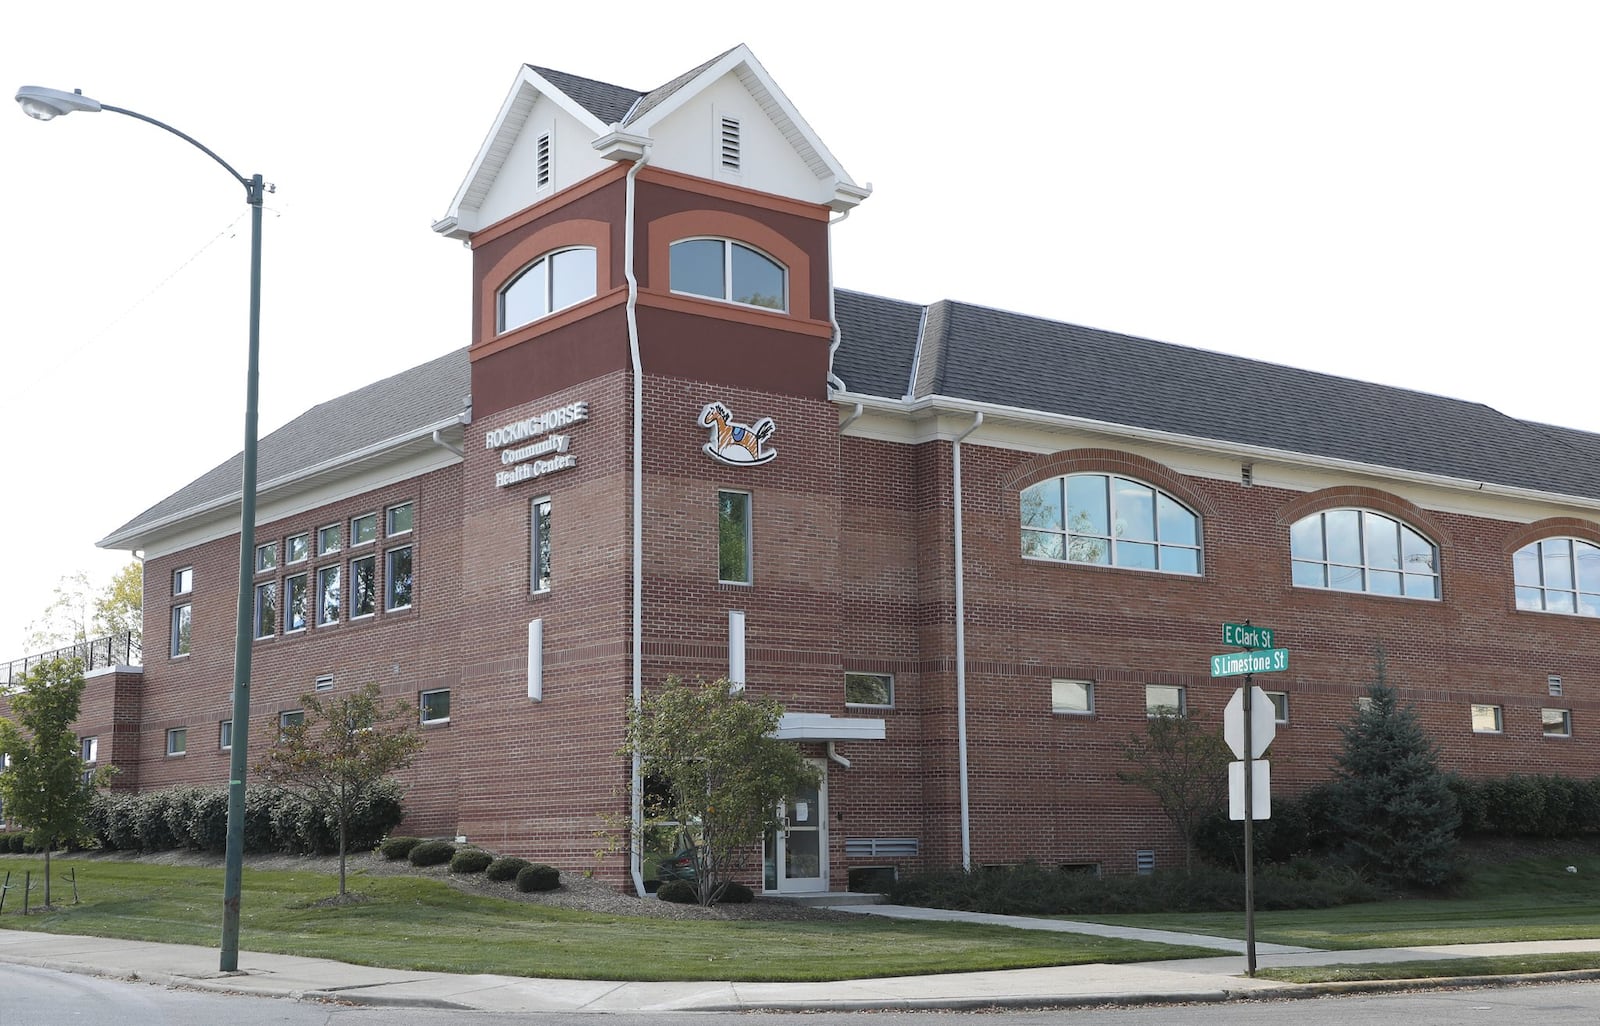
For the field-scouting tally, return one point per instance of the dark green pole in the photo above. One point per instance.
(239, 762)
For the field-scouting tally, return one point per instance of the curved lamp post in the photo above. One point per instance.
(44, 104)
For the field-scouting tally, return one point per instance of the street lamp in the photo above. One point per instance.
(44, 104)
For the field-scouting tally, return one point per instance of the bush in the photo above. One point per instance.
(396, 848)
(506, 868)
(538, 877)
(679, 892)
(470, 860)
(1287, 835)
(432, 853)
(734, 893)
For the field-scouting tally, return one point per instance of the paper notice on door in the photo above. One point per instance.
(802, 812)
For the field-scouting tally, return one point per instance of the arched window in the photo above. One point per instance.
(729, 271)
(1359, 550)
(1112, 521)
(553, 282)
(1558, 575)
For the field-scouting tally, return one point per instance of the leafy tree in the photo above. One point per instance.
(719, 771)
(1392, 799)
(44, 787)
(339, 752)
(119, 606)
(1185, 765)
(78, 611)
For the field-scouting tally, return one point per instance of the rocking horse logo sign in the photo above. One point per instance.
(739, 445)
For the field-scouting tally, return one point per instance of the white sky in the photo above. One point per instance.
(1400, 191)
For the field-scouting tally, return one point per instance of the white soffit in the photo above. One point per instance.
(822, 727)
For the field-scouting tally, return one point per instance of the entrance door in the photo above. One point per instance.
(797, 853)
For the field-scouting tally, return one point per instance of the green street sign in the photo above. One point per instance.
(1236, 664)
(1246, 636)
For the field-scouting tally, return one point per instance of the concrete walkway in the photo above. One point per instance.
(289, 976)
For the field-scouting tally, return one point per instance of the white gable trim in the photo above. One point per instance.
(508, 125)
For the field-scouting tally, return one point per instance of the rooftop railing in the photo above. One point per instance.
(114, 650)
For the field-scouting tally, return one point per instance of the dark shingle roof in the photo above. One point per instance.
(992, 356)
(609, 103)
(406, 402)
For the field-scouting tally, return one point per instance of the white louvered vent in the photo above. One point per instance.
(1144, 861)
(880, 847)
(728, 144)
(1555, 685)
(1247, 474)
(542, 174)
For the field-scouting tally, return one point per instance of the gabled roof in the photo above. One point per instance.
(608, 103)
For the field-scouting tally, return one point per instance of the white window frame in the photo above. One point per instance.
(547, 272)
(886, 677)
(89, 749)
(306, 590)
(181, 643)
(1061, 686)
(290, 717)
(535, 536)
(183, 580)
(322, 618)
(1566, 722)
(289, 558)
(1576, 591)
(371, 557)
(224, 735)
(354, 544)
(324, 549)
(727, 272)
(277, 618)
(1280, 705)
(1183, 699)
(1366, 568)
(1486, 709)
(388, 519)
(266, 557)
(1074, 540)
(749, 537)
(388, 577)
(422, 707)
(177, 741)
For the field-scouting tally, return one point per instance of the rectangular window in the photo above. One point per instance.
(183, 580)
(1557, 722)
(177, 740)
(266, 557)
(328, 539)
(296, 609)
(266, 609)
(363, 529)
(90, 749)
(399, 519)
(733, 537)
(1159, 698)
(435, 706)
(539, 547)
(1486, 719)
(182, 622)
(1280, 705)
(328, 595)
(1072, 696)
(871, 689)
(225, 735)
(291, 718)
(397, 579)
(363, 585)
(299, 546)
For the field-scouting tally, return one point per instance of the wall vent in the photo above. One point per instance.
(1247, 473)
(880, 847)
(1555, 685)
(728, 144)
(1144, 861)
(325, 682)
(542, 174)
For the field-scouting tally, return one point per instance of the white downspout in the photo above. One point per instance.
(438, 439)
(833, 753)
(961, 650)
(636, 797)
(834, 381)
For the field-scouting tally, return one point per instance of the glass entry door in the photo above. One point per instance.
(797, 853)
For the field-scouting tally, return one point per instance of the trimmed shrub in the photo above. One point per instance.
(679, 892)
(734, 893)
(506, 868)
(470, 860)
(432, 853)
(396, 848)
(538, 877)
(373, 817)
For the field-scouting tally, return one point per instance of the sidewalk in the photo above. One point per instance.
(289, 976)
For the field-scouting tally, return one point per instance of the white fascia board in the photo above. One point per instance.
(617, 144)
(771, 99)
(341, 464)
(508, 124)
(929, 407)
(794, 726)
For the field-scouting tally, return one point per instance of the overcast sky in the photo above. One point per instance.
(1399, 192)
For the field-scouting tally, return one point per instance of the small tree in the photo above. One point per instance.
(720, 771)
(1185, 765)
(1391, 798)
(44, 787)
(339, 752)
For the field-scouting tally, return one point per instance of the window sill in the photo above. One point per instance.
(1082, 714)
(436, 723)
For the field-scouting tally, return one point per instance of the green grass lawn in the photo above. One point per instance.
(419, 923)
(1526, 899)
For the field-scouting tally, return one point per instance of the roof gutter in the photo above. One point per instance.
(936, 404)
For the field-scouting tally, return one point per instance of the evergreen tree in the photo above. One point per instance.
(1397, 811)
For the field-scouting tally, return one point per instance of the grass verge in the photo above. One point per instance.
(1437, 969)
(422, 924)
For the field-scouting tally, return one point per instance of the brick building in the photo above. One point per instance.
(970, 550)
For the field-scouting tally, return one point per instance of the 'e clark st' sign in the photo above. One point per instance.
(545, 452)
